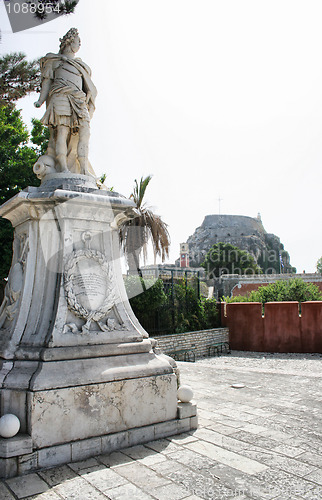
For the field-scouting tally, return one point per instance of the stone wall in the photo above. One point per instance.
(199, 341)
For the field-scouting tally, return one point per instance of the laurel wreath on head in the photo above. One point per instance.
(69, 273)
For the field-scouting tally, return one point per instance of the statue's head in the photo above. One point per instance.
(70, 39)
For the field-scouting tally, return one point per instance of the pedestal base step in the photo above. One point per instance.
(17, 457)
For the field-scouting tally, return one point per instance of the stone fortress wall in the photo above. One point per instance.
(246, 233)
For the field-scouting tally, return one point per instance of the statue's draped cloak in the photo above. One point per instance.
(66, 104)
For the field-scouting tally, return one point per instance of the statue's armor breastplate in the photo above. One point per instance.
(70, 74)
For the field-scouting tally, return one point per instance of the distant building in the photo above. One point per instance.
(232, 285)
(168, 271)
(184, 255)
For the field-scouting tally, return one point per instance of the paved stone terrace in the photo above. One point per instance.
(262, 441)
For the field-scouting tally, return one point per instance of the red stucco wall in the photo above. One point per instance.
(281, 329)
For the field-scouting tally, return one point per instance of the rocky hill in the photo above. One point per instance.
(246, 233)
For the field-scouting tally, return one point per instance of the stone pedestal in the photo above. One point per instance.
(77, 368)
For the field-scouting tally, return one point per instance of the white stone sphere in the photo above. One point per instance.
(9, 425)
(185, 393)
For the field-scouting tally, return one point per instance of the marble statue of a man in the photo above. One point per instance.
(70, 96)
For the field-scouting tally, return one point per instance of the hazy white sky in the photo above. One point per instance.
(213, 98)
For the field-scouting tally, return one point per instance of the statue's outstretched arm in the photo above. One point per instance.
(45, 87)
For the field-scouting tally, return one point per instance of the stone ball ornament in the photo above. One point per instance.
(9, 425)
(185, 393)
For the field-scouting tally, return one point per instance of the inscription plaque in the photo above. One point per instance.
(88, 284)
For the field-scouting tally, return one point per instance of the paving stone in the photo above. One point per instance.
(290, 451)
(261, 455)
(315, 476)
(236, 413)
(283, 483)
(163, 446)
(183, 438)
(277, 436)
(5, 493)
(78, 489)
(25, 486)
(261, 443)
(48, 495)
(193, 459)
(229, 477)
(288, 497)
(314, 494)
(226, 430)
(170, 491)
(204, 422)
(141, 476)
(139, 451)
(255, 429)
(168, 466)
(114, 459)
(255, 439)
(85, 465)
(260, 412)
(204, 413)
(57, 475)
(311, 458)
(198, 484)
(104, 479)
(193, 497)
(237, 424)
(227, 442)
(293, 466)
(154, 459)
(226, 457)
(128, 491)
(306, 444)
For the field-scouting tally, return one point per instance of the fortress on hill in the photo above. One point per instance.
(246, 233)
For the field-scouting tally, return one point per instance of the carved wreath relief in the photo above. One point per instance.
(89, 288)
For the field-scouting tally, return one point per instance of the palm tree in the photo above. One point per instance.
(135, 233)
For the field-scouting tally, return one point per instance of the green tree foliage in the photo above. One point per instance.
(182, 312)
(193, 313)
(18, 77)
(135, 233)
(224, 258)
(294, 289)
(16, 157)
(16, 162)
(319, 265)
(39, 136)
(188, 307)
(152, 297)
